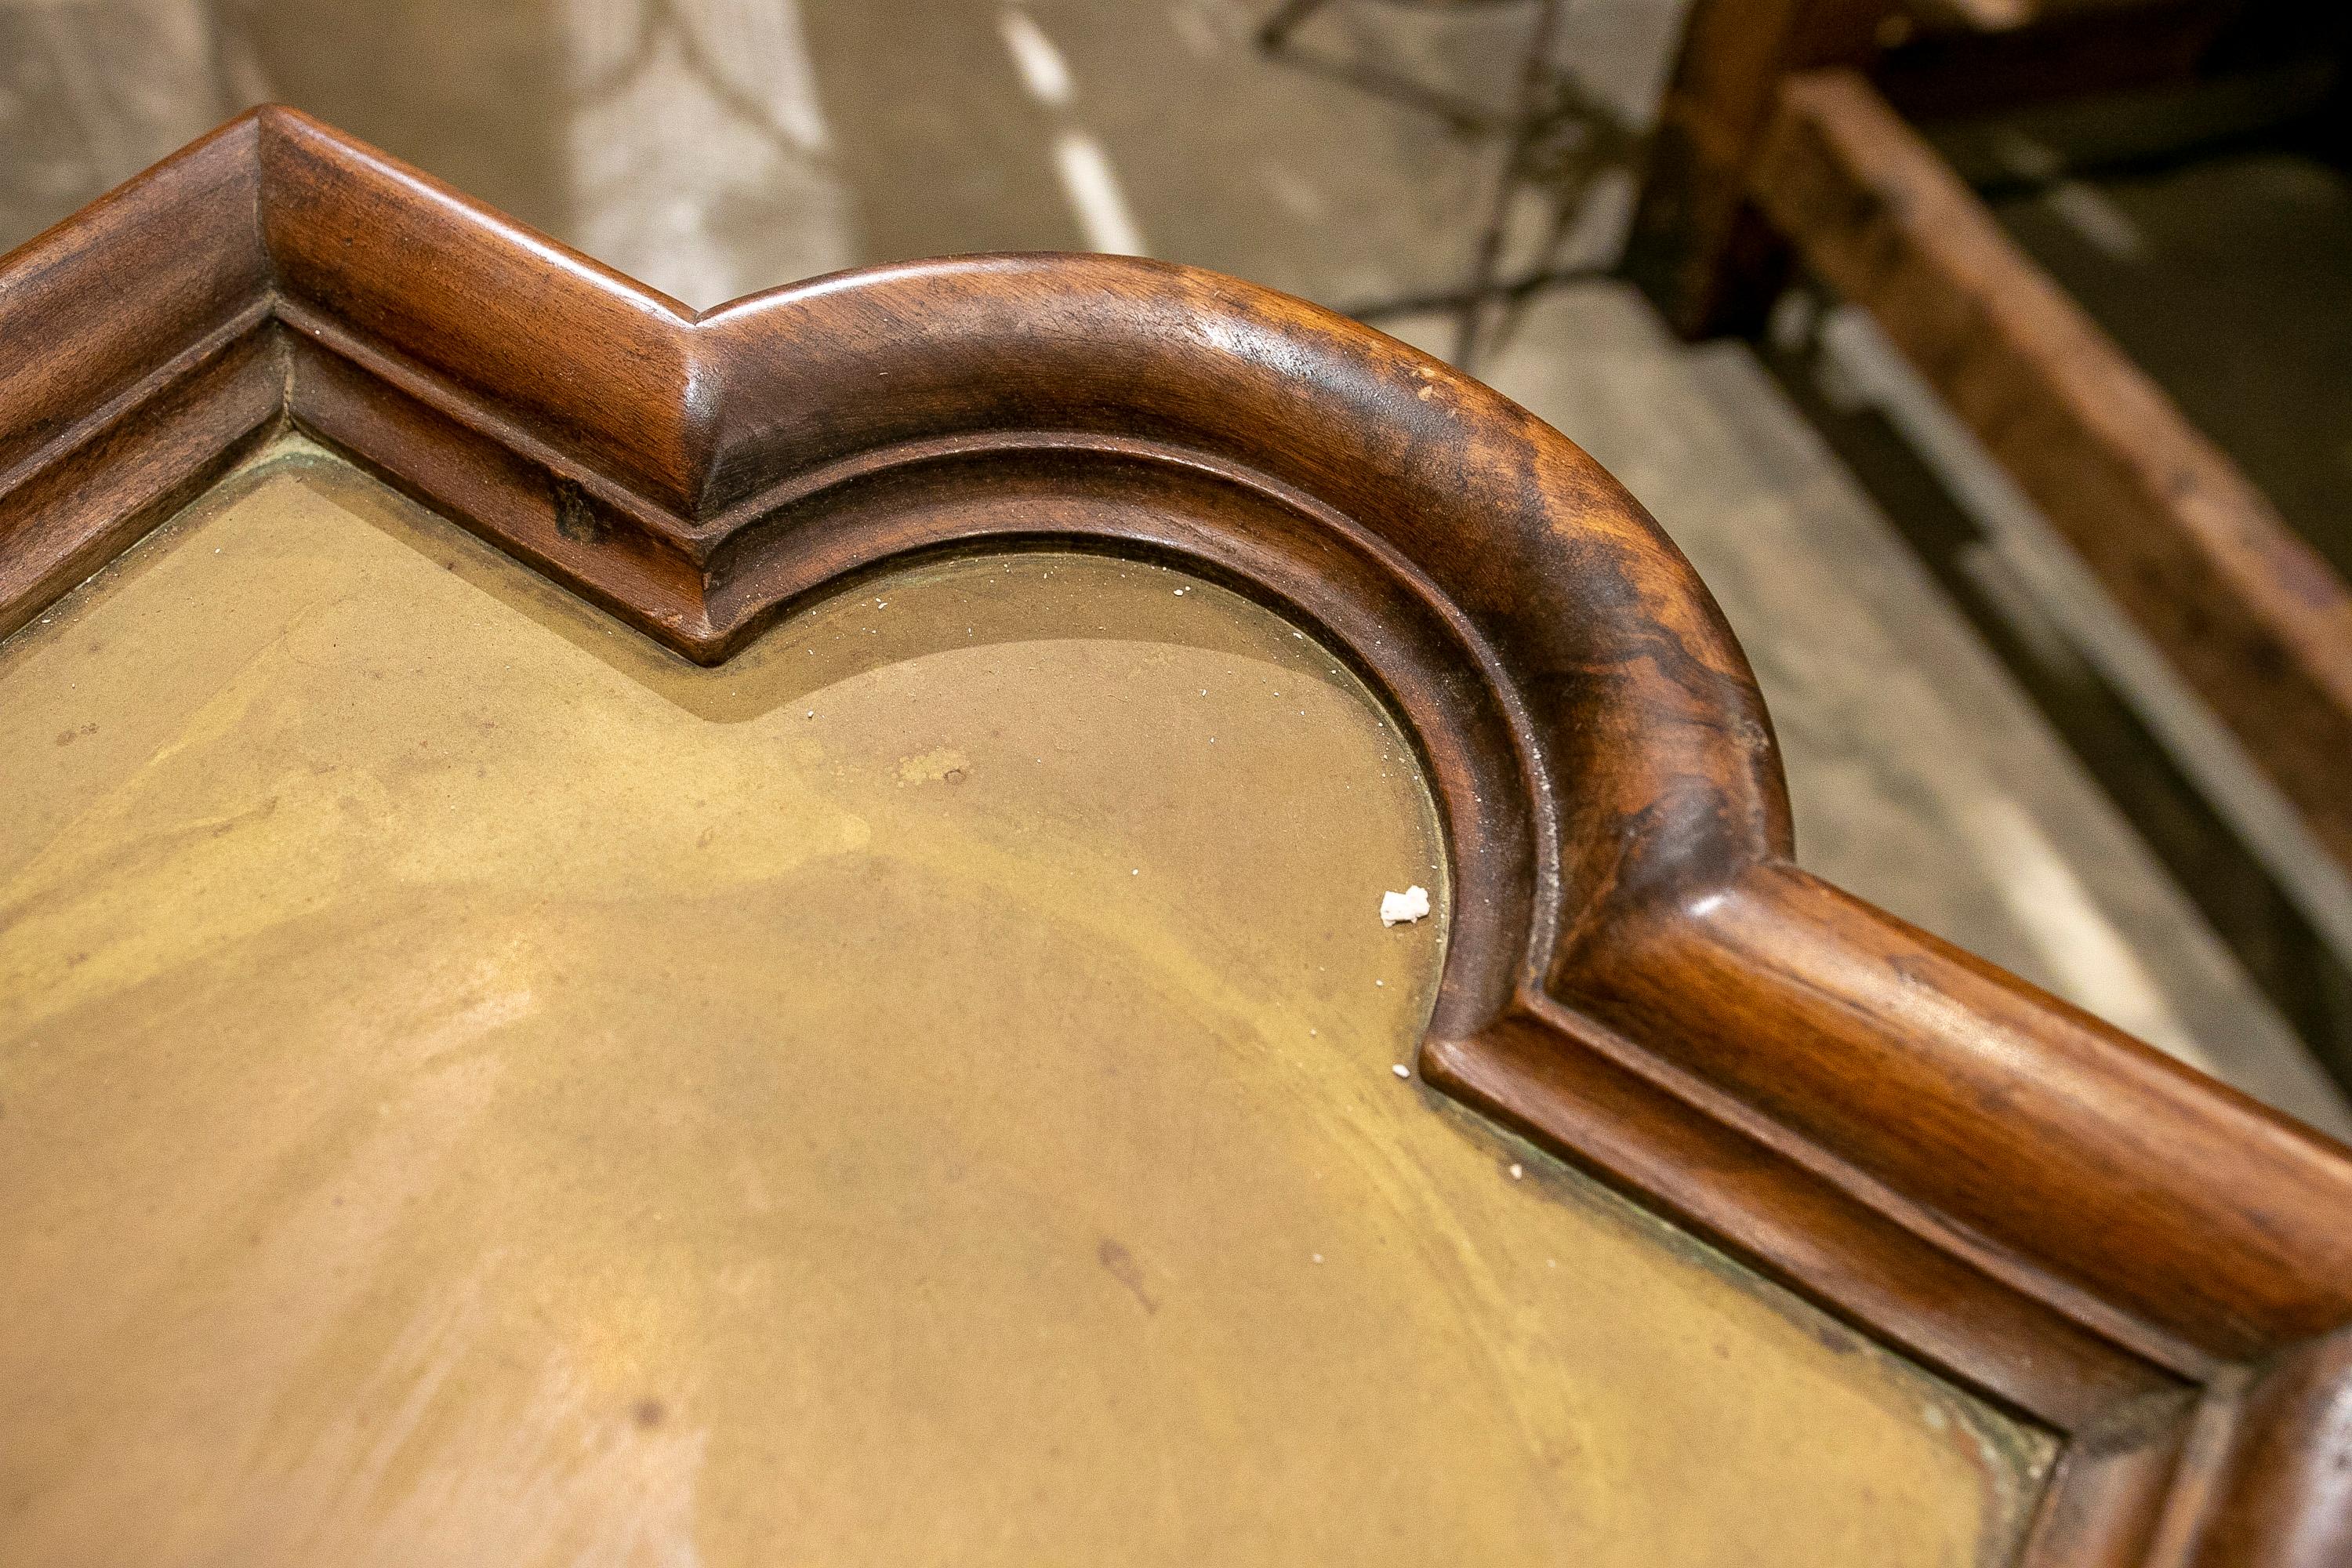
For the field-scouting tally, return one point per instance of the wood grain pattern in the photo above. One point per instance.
(2027, 1201)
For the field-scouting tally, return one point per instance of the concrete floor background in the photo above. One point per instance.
(714, 147)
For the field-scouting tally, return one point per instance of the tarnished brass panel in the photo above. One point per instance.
(476, 1089)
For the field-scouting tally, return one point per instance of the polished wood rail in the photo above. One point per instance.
(2035, 1205)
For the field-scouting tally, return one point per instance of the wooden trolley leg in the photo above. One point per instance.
(1698, 248)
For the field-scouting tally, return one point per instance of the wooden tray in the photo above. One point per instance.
(2090, 1240)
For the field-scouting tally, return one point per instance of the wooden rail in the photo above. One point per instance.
(2249, 613)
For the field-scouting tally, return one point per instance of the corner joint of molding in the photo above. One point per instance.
(700, 416)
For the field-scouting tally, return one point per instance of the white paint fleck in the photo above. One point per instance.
(1402, 908)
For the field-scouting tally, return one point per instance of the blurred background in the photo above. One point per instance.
(1991, 359)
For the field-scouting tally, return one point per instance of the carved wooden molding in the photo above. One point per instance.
(2037, 1206)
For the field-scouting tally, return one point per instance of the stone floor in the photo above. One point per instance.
(715, 147)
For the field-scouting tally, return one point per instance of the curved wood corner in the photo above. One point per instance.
(2282, 1490)
(2015, 1193)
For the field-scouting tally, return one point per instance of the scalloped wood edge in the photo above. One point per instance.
(2036, 1205)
